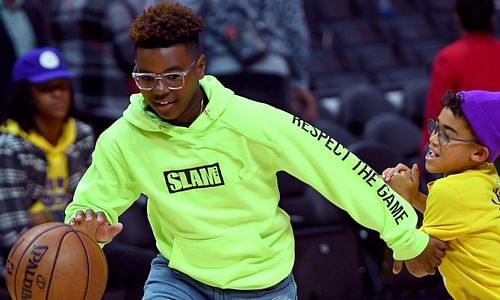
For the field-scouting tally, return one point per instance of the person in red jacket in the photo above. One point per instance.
(472, 62)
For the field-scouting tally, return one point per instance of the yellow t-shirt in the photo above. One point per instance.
(464, 209)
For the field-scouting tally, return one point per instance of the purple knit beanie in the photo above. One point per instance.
(482, 111)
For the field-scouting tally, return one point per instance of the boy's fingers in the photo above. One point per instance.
(387, 174)
(100, 216)
(117, 228)
(108, 232)
(89, 214)
(78, 216)
(415, 172)
(401, 168)
(397, 266)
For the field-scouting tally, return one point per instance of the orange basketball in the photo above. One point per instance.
(54, 261)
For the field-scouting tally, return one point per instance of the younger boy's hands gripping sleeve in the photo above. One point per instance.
(340, 176)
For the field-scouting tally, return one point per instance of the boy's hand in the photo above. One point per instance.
(426, 262)
(96, 225)
(403, 180)
(388, 173)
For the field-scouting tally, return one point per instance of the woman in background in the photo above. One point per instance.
(44, 151)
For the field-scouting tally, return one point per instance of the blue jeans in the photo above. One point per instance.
(166, 283)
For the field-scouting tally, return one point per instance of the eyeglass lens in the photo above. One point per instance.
(433, 128)
(172, 80)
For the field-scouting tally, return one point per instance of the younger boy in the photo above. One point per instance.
(463, 207)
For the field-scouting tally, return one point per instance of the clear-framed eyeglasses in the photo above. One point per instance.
(443, 137)
(173, 80)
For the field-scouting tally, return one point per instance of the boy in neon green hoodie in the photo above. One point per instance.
(207, 161)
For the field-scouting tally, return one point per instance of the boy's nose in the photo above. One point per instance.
(160, 87)
(433, 139)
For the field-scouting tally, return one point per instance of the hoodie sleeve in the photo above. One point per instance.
(107, 185)
(320, 161)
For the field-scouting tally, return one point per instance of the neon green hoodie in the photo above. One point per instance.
(212, 189)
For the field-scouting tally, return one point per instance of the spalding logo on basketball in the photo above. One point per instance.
(55, 261)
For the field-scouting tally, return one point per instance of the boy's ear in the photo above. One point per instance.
(201, 66)
(480, 154)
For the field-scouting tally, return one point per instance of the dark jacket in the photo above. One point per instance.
(23, 168)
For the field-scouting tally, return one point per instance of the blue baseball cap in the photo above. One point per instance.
(40, 65)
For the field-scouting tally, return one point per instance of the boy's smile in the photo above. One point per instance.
(173, 91)
(456, 155)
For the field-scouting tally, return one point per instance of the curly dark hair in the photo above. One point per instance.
(165, 25)
(454, 102)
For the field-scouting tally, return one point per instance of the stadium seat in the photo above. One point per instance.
(377, 155)
(396, 132)
(414, 97)
(442, 19)
(405, 28)
(370, 57)
(361, 102)
(421, 52)
(395, 78)
(335, 83)
(355, 32)
(332, 10)
(387, 8)
(321, 14)
(336, 131)
(325, 61)
(327, 263)
(325, 212)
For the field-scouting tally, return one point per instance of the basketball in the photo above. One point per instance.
(53, 261)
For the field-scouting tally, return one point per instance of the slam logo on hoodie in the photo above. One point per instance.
(194, 178)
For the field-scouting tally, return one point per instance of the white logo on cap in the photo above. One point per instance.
(49, 60)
